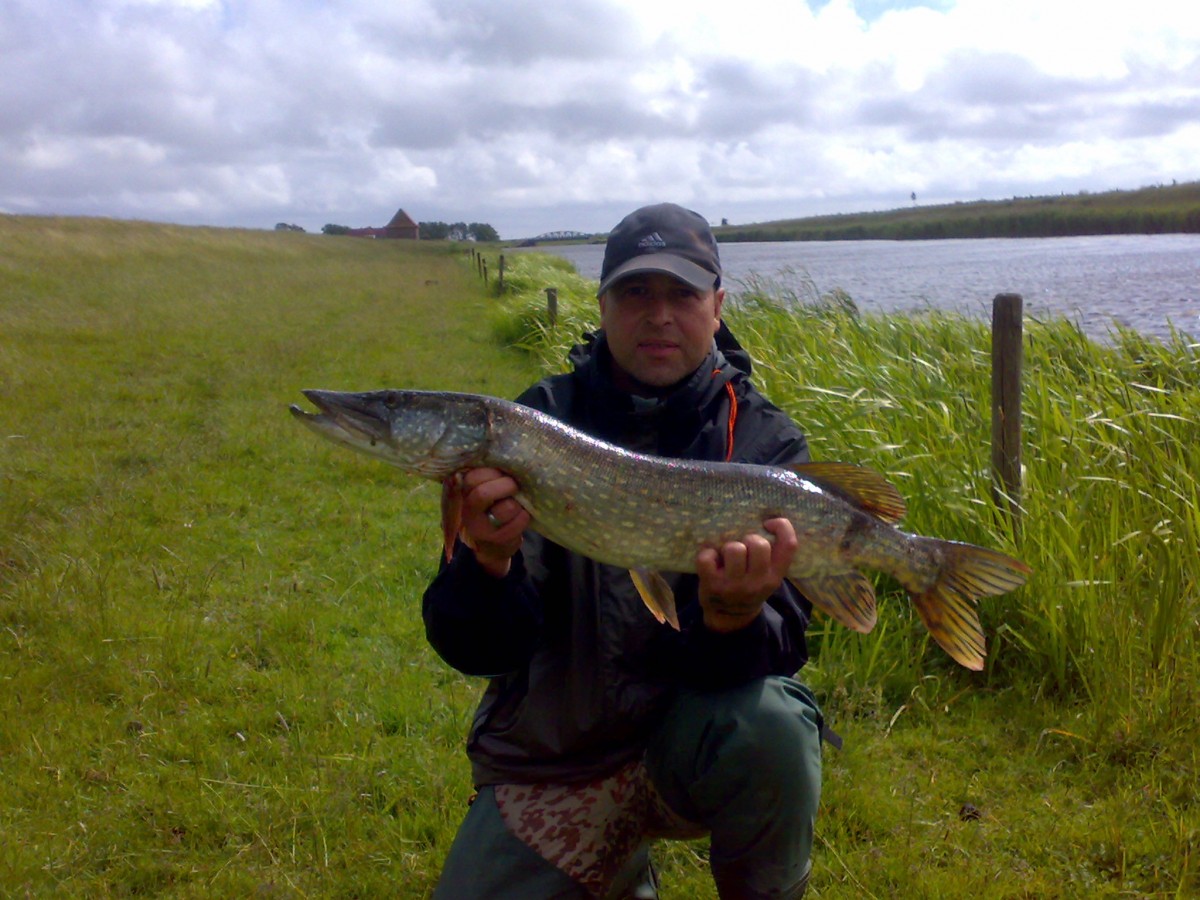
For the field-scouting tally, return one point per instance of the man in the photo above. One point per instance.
(601, 728)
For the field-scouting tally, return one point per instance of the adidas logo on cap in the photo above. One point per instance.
(652, 241)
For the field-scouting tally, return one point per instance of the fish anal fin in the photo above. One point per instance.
(848, 598)
(954, 624)
(452, 503)
(656, 594)
(865, 488)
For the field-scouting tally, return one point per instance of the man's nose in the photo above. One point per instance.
(658, 306)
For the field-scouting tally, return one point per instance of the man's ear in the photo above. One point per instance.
(718, 303)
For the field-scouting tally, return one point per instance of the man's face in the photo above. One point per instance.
(659, 329)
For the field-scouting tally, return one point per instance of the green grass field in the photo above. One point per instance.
(213, 677)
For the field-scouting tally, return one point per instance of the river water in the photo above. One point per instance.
(1146, 282)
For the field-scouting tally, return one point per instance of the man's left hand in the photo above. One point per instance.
(737, 578)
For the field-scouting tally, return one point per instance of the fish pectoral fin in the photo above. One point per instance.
(865, 488)
(656, 594)
(848, 598)
(452, 504)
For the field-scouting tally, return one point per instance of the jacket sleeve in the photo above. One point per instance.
(479, 624)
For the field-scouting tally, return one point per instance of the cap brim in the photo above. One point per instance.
(667, 264)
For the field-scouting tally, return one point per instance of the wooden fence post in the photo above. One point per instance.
(1007, 353)
(552, 304)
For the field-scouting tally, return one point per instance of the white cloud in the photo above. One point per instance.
(536, 116)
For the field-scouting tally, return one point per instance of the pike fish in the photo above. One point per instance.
(651, 515)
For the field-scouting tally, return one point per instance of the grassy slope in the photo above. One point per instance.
(1147, 210)
(213, 680)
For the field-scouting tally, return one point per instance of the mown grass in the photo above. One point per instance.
(213, 678)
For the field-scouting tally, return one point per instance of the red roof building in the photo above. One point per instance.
(402, 227)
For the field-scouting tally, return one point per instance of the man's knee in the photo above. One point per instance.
(765, 734)
(774, 719)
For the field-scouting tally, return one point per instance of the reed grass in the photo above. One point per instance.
(1108, 625)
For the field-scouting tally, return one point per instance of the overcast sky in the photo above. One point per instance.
(540, 115)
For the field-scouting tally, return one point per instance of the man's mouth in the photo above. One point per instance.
(658, 346)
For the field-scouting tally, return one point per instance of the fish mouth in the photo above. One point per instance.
(345, 416)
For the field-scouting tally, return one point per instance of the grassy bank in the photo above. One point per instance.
(1153, 210)
(213, 680)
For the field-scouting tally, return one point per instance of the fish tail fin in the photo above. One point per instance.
(947, 608)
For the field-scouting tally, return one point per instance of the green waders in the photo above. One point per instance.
(744, 762)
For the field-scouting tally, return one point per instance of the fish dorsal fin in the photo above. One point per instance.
(656, 594)
(865, 488)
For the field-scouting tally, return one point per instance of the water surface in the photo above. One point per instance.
(1147, 282)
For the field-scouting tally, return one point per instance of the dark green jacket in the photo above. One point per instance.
(579, 669)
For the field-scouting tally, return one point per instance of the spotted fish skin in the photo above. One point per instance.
(650, 514)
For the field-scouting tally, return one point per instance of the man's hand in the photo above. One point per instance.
(493, 523)
(737, 578)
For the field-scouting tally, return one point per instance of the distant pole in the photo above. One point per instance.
(484, 269)
(500, 276)
(552, 304)
(1007, 352)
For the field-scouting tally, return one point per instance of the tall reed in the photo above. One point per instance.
(1111, 506)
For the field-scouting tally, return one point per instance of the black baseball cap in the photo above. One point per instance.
(663, 238)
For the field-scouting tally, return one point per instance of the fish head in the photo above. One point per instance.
(433, 434)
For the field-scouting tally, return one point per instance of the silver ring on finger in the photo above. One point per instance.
(494, 519)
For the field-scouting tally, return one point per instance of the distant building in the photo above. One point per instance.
(402, 227)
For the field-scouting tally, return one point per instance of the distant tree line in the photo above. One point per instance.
(439, 231)
(458, 231)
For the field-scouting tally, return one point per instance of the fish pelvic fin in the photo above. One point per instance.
(862, 487)
(948, 608)
(848, 598)
(452, 504)
(656, 594)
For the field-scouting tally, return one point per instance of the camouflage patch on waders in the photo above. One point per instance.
(589, 831)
